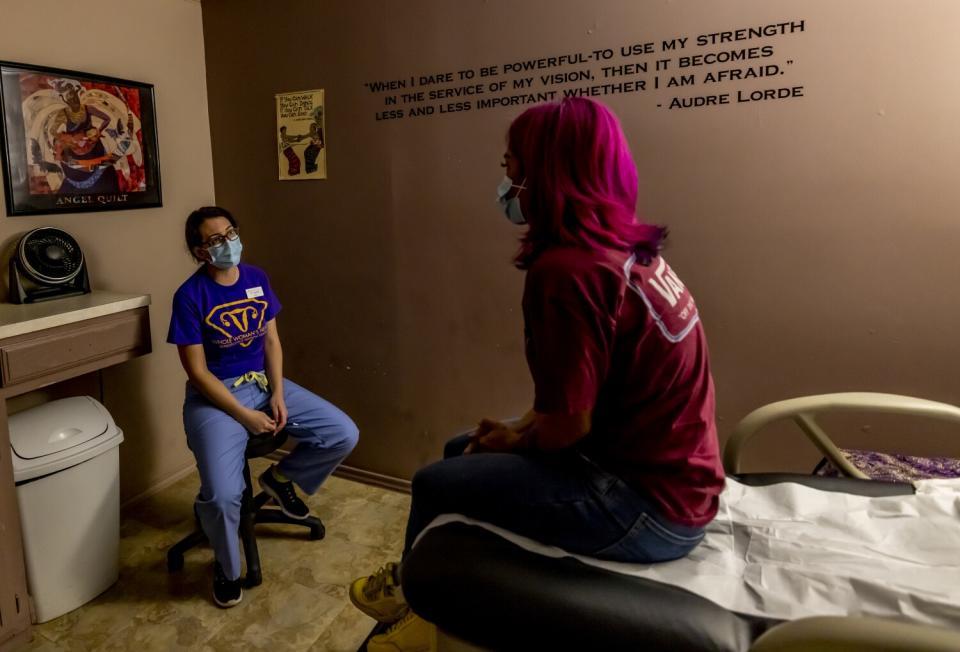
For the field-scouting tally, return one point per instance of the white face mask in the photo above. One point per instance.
(511, 207)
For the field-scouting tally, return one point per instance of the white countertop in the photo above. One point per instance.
(31, 317)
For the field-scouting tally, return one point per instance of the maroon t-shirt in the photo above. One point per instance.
(624, 340)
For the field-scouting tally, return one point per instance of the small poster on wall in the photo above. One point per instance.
(74, 141)
(300, 145)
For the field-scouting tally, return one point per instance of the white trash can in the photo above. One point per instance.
(66, 466)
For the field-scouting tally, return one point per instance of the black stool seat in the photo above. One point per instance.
(252, 511)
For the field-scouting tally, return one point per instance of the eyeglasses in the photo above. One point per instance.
(217, 239)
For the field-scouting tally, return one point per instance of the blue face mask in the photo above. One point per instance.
(511, 207)
(226, 255)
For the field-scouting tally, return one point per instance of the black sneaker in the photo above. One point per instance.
(226, 593)
(285, 495)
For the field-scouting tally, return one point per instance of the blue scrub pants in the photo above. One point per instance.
(558, 498)
(324, 436)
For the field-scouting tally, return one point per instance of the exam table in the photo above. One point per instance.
(486, 593)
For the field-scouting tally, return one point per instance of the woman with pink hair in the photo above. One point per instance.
(618, 458)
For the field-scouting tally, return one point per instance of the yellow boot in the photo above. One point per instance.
(379, 596)
(409, 634)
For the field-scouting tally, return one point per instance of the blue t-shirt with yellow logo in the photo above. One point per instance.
(230, 321)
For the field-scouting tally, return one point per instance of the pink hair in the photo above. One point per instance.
(581, 180)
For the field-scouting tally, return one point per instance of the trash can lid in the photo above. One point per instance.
(57, 426)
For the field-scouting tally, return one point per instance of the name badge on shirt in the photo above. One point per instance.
(253, 293)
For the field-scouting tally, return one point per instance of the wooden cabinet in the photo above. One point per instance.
(37, 359)
(40, 345)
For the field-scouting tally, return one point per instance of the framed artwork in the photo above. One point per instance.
(300, 145)
(73, 141)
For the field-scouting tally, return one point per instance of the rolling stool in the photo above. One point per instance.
(251, 513)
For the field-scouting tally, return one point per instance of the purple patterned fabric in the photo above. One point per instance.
(893, 467)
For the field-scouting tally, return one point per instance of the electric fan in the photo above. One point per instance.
(47, 264)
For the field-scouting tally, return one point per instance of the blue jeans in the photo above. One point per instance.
(558, 498)
(324, 437)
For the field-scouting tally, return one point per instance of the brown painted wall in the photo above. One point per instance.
(159, 42)
(817, 233)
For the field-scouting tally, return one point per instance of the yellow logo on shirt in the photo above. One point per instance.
(240, 321)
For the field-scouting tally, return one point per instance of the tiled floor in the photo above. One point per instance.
(301, 605)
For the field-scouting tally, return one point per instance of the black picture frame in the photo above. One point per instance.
(67, 147)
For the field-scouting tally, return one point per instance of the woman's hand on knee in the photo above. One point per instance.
(493, 436)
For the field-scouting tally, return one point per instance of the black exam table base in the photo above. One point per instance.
(485, 590)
